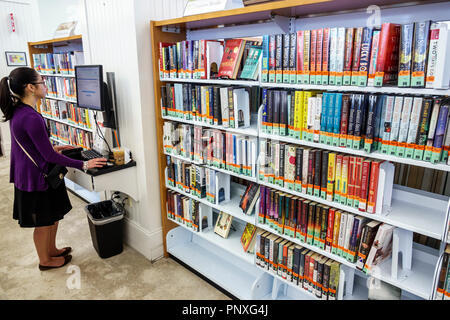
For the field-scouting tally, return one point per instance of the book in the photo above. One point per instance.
(387, 58)
(232, 55)
(367, 236)
(249, 198)
(223, 224)
(381, 248)
(438, 72)
(248, 237)
(251, 64)
(420, 53)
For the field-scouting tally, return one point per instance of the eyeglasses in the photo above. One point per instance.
(41, 82)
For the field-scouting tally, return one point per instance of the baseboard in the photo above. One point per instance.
(149, 244)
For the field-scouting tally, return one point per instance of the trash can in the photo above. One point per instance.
(106, 226)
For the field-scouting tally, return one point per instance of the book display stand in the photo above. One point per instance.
(412, 267)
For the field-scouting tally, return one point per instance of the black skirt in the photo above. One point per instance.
(41, 208)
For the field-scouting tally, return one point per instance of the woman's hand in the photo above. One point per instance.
(62, 148)
(96, 163)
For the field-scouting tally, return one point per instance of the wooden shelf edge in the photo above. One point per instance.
(51, 41)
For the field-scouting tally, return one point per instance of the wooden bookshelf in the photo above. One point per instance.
(420, 281)
(49, 46)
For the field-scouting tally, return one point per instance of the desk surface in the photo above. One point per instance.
(107, 169)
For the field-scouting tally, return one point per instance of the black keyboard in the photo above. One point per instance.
(90, 154)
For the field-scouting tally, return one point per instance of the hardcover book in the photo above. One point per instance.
(223, 224)
(231, 59)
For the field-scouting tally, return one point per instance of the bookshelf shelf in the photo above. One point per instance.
(237, 276)
(361, 153)
(411, 210)
(304, 294)
(67, 123)
(231, 244)
(222, 82)
(60, 142)
(57, 75)
(387, 90)
(62, 99)
(251, 131)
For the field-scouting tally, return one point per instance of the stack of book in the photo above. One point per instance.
(197, 180)
(223, 150)
(404, 126)
(230, 107)
(70, 135)
(183, 210)
(67, 111)
(402, 55)
(335, 231)
(210, 59)
(64, 88)
(303, 267)
(348, 180)
(58, 63)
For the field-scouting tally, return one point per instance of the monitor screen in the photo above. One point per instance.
(89, 82)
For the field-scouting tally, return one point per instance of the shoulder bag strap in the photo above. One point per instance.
(26, 152)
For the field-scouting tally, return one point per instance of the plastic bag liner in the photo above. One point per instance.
(103, 212)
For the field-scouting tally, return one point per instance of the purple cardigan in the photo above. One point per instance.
(29, 128)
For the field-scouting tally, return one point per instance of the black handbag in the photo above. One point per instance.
(56, 172)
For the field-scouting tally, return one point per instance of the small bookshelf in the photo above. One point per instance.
(55, 60)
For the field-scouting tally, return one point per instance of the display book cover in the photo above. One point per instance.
(223, 224)
(231, 58)
(248, 238)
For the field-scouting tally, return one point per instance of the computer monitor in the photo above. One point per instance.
(95, 94)
(90, 88)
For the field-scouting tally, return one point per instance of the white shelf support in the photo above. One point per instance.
(262, 286)
(277, 287)
(346, 279)
(206, 211)
(402, 241)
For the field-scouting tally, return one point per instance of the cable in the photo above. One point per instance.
(99, 131)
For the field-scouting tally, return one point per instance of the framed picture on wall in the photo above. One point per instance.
(16, 59)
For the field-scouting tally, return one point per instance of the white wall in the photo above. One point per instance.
(27, 22)
(55, 12)
(117, 35)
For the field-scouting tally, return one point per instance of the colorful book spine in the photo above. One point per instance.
(319, 55)
(340, 55)
(356, 55)
(405, 55)
(333, 54)
(387, 60)
(424, 125)
(312, 63)
(373, 58)
(441, 125)
(365, 56)
(421, 34)
(373, 186)
(349, 35)
(387, 120)
(325, 55)
(404, 126)
(292, 58)
(396, 117)
(299, 56)
(331, 175)
(265, 59)
(432, 130)
(306, 55)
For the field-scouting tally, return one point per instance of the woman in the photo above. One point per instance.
(36, 204)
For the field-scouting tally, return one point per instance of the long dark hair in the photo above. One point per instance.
(12, 89)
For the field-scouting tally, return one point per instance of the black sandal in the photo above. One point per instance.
(66, 251)
(67, 259)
